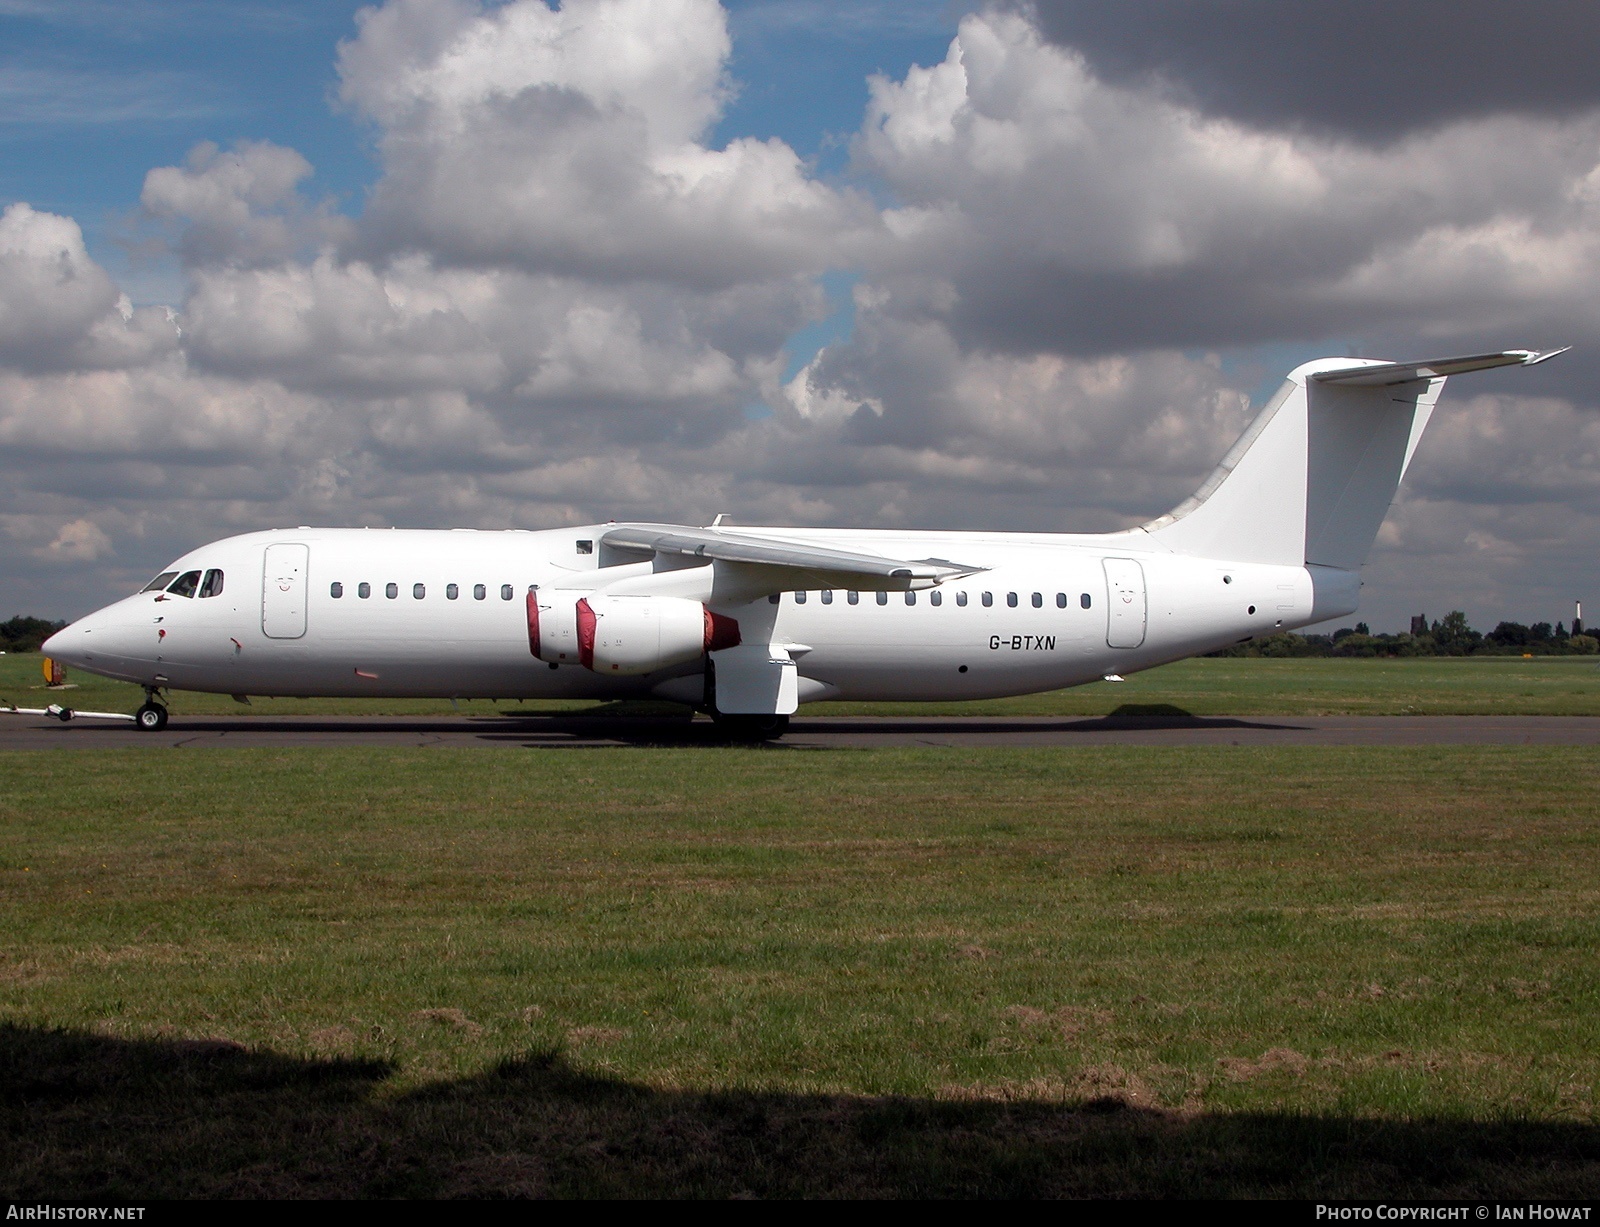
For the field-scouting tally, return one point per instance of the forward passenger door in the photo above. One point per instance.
(283, 590)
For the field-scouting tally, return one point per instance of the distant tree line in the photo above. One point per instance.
(1450, 635)
(26, 634)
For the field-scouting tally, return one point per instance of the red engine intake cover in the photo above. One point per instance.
(585, 634)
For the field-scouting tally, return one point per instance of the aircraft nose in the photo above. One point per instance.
(68, 644)
(99, 638)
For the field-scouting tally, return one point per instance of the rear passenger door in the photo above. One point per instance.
(1125, 602)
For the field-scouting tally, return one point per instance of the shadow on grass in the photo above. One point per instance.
(1162, 715)
(623, 709)
(622, 724)
(88, 1118)
(625, 723)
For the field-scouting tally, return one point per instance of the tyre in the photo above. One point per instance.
(753, 728)
(152, 717)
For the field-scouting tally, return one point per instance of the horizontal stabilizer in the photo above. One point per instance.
(1385, 373)
(721, 545)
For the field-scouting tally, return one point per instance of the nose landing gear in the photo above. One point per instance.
(152, 717)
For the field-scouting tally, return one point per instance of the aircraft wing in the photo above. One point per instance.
(1407, 372)
(834, 567)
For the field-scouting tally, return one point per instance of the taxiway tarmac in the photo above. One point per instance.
(805, 732)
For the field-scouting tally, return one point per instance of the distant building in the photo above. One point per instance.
(1419, 625)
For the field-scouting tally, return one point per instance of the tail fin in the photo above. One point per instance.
(1312, 478)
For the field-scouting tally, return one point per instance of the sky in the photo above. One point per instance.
(439, 263)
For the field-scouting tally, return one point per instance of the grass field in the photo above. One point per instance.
(1548, 685)
(733, 972)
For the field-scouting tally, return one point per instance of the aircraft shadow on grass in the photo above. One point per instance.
(88, 1117)
(659, 724)
(625, 726)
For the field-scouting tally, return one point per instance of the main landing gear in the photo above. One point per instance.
(740, 727)
(751, 728)
(152, 717)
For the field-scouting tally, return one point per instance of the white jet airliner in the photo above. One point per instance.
(747, 623)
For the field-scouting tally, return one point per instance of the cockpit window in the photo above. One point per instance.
(185, 584)
(211, 585)
(160, 582)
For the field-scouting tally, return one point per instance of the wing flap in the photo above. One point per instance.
(721, 545)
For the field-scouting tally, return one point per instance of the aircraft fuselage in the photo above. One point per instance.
(445, 613)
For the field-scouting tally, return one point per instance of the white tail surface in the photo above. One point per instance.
(1311, 480)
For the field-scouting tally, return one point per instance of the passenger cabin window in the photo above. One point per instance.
(961, 598)
(883, 598)
(1011, 599)
(363, 590)
(586, 547)
(911, 598)
(211, 585)
(185, 584)
(479, 592)
(160, 581)
(1061, 600)
(936, 597)
(799, 598)
(451, 592)
(336, 590)
(988, 599)
(1038, 600)
(827, 596)
(505, 592)
(391, 591)
(853, 597)
(773, 599)
(418, 591)
(1085, 601)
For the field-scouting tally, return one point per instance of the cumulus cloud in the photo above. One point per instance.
(160, 412)
(78, 541)
(1069, 214)
(241, 207)
(1121, 427)
(571, 140)
(58, 308)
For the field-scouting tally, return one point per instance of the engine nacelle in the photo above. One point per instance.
(553, 624)
(623, 635)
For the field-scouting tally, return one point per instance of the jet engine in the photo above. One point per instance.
(624, 635)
